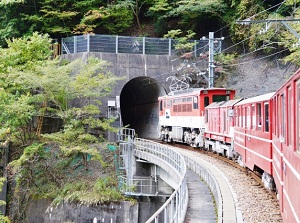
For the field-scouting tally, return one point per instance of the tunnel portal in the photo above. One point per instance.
(139, 105)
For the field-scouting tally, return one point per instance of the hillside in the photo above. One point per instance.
(256, 77)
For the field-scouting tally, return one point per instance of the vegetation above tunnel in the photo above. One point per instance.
(35, 87)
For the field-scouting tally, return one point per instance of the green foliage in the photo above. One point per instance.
(191, 12)
(7, 2)
(223, 62)
(24, 53)
(29, 78)
(183, 45)
(91, 193)
(49, 170)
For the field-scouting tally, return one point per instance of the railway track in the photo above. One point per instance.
(254, 175)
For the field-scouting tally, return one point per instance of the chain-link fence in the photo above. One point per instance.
(126, 44)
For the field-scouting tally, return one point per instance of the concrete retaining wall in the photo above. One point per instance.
(39, 211)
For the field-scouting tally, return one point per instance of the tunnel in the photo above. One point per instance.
(139, 105)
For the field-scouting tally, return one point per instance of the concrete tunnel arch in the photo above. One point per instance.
(139, 105)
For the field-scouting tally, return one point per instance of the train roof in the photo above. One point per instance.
(193, 91)
(224, 103)
(293, 77)
(264, 97)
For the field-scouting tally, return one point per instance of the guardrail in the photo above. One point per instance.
(174, 209)
(143, 186)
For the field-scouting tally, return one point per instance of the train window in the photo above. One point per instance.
(195, 102)
(267, 118)
(283, 117)
(289, 115)
(244, 111)
(177, 100)
(274, 115)
(241, 117)
(237, 117)
(224, 121)
(253, 116)
(189, 99)
(160, 105)
(183, 99)
(219, 98)
(206, 101)
(248, 118)
(258, 116)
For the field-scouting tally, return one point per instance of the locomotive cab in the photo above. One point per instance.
(181, 115)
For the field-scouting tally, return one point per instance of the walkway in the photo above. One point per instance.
(201, 207)
(227, 211)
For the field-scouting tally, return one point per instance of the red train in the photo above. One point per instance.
(181, 116)
(262, 133)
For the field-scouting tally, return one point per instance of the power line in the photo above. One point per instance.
(251, 61)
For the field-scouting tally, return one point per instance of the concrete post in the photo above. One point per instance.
(75, 44)
(211, 60)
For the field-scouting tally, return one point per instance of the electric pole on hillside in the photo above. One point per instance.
(211, 51)
(182, 82)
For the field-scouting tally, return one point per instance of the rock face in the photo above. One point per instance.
(40, 211)
(254, 76)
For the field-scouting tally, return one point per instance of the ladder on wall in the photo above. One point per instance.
(41, 119)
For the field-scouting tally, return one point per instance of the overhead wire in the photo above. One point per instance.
(251, 61)
(241, 42)
(263, 47)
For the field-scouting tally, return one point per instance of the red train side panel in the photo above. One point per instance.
(252, 133)
(286, 147)
(219, 127)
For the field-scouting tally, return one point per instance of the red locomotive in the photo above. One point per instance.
(181, 116)
(262, 133)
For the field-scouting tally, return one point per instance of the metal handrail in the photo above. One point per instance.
(211, 181)
(174, 209)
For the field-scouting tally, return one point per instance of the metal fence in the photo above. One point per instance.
(126, 44)
(174, 209)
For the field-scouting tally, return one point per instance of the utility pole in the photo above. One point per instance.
(211, 65)
(211, 51)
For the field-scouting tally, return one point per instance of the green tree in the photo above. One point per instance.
(158, 11)
(191, 12)
(34, 85)
(16, 85)
(136, 7)
(110, 19)
(183, 42)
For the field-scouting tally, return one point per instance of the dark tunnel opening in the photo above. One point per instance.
(139, 105)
